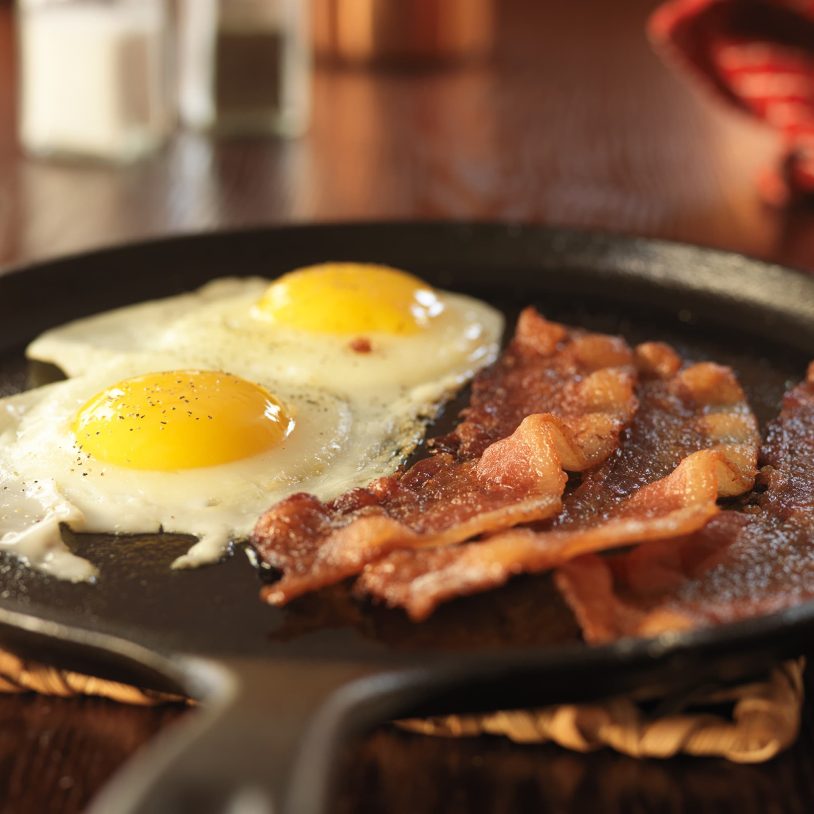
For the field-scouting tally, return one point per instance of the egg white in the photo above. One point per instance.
(358, 414)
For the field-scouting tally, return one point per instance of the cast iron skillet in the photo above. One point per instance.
(283, 688)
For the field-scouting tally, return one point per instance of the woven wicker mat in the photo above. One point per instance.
(748, 723)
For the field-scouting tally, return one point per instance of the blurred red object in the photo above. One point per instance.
(757, 55)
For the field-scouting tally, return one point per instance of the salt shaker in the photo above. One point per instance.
(94, 77)
(244, 66)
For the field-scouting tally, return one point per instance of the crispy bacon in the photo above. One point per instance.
(583, 378)
(437, 502)
(742, 564)
(692, 439)
(479, 480)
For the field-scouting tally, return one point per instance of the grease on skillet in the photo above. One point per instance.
(217, 608)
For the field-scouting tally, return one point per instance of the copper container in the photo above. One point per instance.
(409, 32)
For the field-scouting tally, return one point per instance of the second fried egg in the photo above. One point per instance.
(350, 328)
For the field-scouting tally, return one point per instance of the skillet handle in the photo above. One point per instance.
(264, 741)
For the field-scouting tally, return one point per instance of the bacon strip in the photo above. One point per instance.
(475, 482)
(648, 490)
(547, 368)
(742, 564)
(437, 502)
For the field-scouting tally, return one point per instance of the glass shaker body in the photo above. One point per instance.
(94, 77)
(245, 66)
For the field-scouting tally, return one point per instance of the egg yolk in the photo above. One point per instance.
(180, 420)
(350, 298)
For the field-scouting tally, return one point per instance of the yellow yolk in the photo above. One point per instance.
(180, 420)
(350, 298)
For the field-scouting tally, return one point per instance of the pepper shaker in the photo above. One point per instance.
(244, 66)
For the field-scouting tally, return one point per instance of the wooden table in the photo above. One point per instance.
(575, 122)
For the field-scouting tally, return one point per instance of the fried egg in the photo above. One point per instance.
(345, 327)
(195, 413)
(145, 446)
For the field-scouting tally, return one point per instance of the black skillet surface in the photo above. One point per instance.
(285, 686)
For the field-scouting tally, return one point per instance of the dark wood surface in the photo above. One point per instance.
(574, 122)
